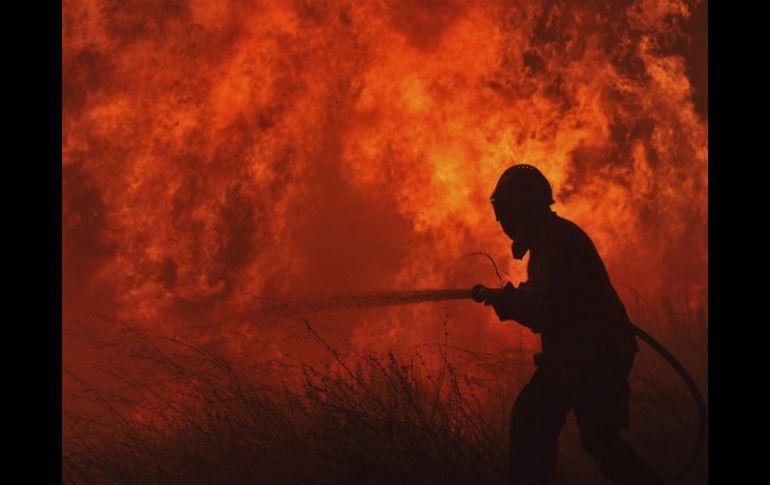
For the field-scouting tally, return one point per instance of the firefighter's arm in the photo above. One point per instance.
(521, 304)
(537, 305)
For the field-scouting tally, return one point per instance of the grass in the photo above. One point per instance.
(178, 411)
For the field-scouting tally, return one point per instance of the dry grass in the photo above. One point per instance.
(193, 416)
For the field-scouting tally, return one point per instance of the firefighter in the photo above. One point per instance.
(588, 346)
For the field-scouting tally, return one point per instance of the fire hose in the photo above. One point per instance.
(482, 294)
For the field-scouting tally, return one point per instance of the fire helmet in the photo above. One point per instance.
(525, 184)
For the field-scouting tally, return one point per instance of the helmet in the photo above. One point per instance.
(524, 183)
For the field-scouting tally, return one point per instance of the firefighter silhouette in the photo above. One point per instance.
(588, 346)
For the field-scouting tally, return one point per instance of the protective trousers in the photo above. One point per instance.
(600, 399)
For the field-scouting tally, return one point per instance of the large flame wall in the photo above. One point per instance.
(218, 152)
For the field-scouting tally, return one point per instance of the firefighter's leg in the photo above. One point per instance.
(536, 421)
(618, 461)
(601, 409)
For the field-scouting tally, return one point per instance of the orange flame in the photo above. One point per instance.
(217, 152)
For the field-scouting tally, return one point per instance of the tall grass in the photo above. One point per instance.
(194, 415)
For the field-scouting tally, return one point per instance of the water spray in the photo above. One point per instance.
(483, 294)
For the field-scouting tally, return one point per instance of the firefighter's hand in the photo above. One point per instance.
(504, 303)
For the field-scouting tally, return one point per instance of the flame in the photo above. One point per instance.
(217, 152)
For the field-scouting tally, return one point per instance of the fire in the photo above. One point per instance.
(218, 152)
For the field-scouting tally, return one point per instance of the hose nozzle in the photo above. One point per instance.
(482, 294)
